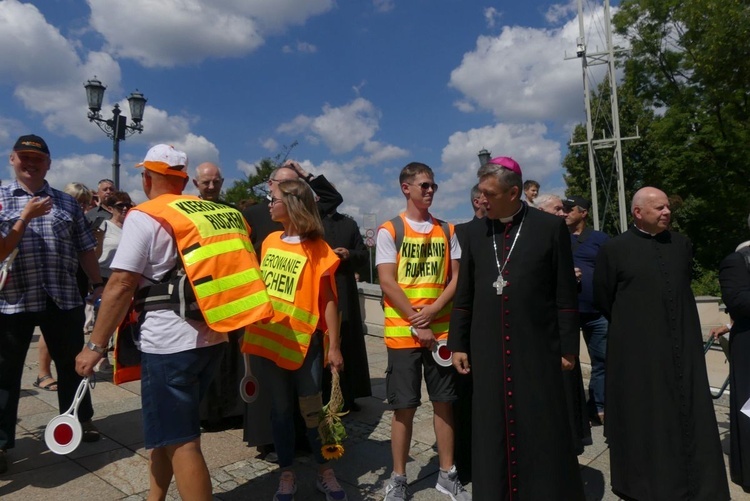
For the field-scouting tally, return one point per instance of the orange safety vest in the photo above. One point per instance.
(214, 244)
(292, 274)
(423, 266)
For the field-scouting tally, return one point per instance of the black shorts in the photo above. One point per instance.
(403, 378)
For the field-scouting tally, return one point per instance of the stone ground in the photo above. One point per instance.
(117, 468)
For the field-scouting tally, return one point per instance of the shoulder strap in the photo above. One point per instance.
(398, 229)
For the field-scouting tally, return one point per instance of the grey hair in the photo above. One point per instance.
(506, 177)
(543, 199)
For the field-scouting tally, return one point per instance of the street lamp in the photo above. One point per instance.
(484, 156)
(116, 128)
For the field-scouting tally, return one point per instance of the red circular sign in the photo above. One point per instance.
(63, 434)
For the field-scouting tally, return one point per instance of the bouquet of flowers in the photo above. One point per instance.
(331, 429)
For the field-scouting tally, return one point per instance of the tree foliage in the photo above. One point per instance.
(254, 189)
(686, 85)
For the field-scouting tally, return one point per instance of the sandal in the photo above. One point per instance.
(51, 386)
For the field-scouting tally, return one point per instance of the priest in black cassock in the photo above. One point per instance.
(661, 428)
(514, 324)
(342, 234)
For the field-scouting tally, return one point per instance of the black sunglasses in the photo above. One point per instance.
(122, 206)
(426, 186)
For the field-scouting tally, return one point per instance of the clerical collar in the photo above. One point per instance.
(644, 231)
(510, 218)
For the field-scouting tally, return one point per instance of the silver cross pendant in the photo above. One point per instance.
(499, 285)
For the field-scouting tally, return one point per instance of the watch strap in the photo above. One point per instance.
(93, 347)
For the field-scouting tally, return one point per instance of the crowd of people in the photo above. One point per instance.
(212, 284)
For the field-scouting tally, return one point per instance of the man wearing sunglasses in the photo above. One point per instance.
(417, 260)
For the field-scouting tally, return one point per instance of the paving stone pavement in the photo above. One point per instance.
(116, 467)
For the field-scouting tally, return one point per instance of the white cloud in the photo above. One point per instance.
(521, 74)
(538, 156)
(560, 12)
(343, 129)
(491, 16)
(270, 144)
(176, 32)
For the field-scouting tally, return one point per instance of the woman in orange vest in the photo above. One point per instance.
(298, 270)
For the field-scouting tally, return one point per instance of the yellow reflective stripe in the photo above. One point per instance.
(391, 312)
(423, 293)
(441, 327)
(226, 283)
(296, 313)
(214, 249)
(275, 347)
(398, 331)
(236, 307)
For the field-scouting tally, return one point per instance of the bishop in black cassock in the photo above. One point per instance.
(661, 427)
(517, 326)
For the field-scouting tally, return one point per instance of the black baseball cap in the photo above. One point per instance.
(581, 202)
(31, 142)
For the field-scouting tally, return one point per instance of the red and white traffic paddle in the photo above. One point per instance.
(442, 354)
(440, 351)
(249, 383)
(64, 432)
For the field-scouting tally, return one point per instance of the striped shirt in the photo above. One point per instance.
(48, 252)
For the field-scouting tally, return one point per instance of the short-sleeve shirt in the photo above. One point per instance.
(386, 251)
(47, 260)
(148, 248)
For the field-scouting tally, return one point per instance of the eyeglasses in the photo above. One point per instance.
(426, 186)
(273, 200)
(123, 206)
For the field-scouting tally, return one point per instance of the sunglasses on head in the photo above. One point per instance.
(426, 186)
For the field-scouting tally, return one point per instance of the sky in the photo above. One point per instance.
(362, 87)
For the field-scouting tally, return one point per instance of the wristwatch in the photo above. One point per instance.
(309, 177)
(93, 347)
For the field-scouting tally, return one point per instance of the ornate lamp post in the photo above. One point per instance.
(116, 128)
(484, 156)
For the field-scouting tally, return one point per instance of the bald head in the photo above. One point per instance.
(208, 180)
(650, 209)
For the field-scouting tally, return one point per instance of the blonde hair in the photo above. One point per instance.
(299, 200)
(79, 191)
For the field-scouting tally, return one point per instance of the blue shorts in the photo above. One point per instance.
(172, 387)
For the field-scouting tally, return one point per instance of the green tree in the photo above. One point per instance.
(690, 60)
(686, 87)
(254, 189)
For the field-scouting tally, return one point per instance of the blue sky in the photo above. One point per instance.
(363, 86)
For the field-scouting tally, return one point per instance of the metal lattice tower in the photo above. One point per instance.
(589, 60)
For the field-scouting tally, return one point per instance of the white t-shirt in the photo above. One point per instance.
(112, 237)
(148, 248)
(386, 251)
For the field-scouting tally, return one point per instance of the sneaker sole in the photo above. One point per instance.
(445, 491)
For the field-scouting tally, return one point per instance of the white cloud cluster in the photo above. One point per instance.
(521, 74)
(169, 33)
(47, 75)
(344, 129)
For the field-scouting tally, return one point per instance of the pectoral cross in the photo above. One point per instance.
(499, 285)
